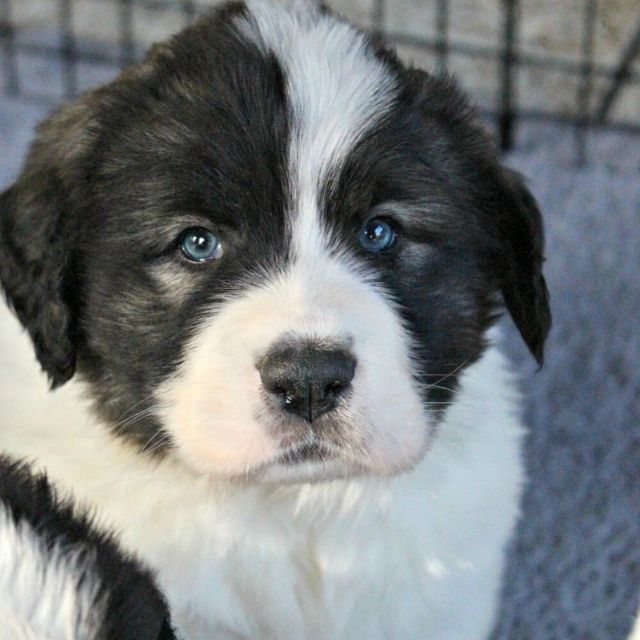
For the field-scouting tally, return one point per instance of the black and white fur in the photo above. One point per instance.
(282, 129)
(63, 579)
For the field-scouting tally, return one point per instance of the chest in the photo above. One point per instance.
(376, 567)
(314, 585)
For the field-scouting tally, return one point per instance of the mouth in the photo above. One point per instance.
(308, 452)
(312, 460)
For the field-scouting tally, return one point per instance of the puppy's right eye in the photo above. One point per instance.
(199, 245)
(377, 235)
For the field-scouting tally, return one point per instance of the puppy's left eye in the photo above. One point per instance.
(377, 235)
(199, 245)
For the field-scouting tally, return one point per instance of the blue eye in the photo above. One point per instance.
(200, 245)
(377, 235)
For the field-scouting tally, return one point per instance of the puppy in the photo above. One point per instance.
(270, 257)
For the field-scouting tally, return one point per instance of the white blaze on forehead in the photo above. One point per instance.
(337, 90)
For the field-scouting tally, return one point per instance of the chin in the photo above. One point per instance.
(306, 471)
(271, 257)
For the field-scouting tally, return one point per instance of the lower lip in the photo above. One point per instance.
(308, 453)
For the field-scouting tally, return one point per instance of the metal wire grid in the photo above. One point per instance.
(71, 52)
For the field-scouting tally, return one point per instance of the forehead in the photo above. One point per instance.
(337, 86)
(260, 107)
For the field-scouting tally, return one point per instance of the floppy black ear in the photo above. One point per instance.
(37, 239)
(508, 212)
(33, 263)
(523, 286)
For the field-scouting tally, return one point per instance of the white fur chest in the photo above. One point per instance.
(417, 556)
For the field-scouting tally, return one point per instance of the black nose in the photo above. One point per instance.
(307, 380)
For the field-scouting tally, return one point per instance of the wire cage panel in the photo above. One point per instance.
(576, 61)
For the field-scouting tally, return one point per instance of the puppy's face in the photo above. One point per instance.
(270, 249)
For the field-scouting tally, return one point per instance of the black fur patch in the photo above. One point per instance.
(135, 609)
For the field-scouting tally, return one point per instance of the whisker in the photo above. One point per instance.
(440, 387)
(161, 438)
(119, 427)
(451, 373)
(132, 407)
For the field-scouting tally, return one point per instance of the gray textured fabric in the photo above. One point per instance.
(574, 568)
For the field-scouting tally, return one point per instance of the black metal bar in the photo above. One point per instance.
(45, 51)
(538, 115)
(621, 75)
(68, 48)
(9, 59)
(159, 5)
(508, 99)
(442, 38)
(585, 87)
(125, 33)
(378, 16)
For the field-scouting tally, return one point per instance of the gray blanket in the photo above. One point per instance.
(574, 569)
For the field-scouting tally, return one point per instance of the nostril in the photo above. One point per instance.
(286, 394)
(336, 388)
(278, 390)
(288, 397)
